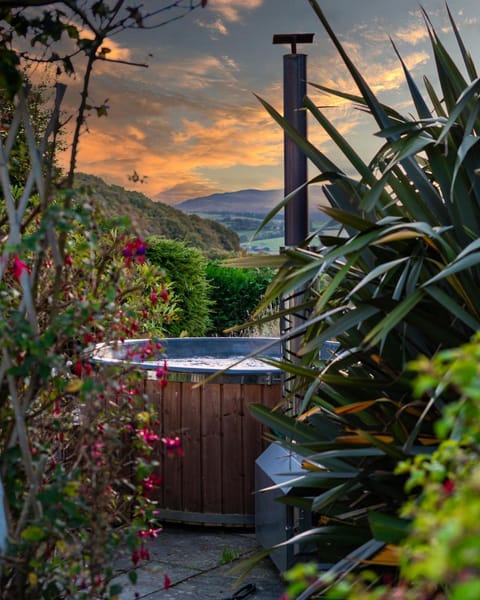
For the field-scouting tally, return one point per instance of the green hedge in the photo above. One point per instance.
(234, 294)
(185, 268)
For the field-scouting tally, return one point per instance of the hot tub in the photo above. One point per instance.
(214, 481)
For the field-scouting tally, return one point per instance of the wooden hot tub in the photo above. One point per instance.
(213, 483)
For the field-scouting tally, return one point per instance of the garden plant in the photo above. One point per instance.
(398, 281)
(76, 442)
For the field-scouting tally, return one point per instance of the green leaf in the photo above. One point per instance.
(387, 528)
(133, 576)
(332, 495)
(33, 533)
(283, 424)
(116, 589)
(393, 318)
(466, 262)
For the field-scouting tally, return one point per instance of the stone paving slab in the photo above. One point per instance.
(192, 557)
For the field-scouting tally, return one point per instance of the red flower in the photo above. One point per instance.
(448, 486)
(150, 483)
(134, 251)
(164, 294)
(162, 375)
(82, 367)
(154, 297)
(166, 582)
(19, 267)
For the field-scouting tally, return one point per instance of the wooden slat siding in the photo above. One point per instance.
(252, 443)
(192, 461)
(232, 467)
(172, 466)
(272, 396)
(211, 431)
(154, 395)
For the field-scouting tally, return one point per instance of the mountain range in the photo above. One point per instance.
(250, 201)
(242, 201)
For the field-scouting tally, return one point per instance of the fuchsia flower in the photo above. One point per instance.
(148, 435)
(150, 483)
(141, 554)
(166, 582)
(173, 445)
(19, 267)
(80, 368)
(162, 375)
(134, 251)
(154, 298)
(149, 533)
(448, 486)
(164, 294)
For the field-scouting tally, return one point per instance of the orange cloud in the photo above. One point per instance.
(230, 11)
(182, 158)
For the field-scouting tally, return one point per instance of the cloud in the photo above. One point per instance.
(412, 35)
(215, 27)
(231, 11)
(176, 162)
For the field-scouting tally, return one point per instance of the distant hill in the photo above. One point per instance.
(243, 201)
(253, 202)
(155, 218)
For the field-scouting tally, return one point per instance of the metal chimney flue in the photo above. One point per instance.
(295, 161)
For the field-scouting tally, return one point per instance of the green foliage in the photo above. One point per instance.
(74, 459)
(402, 278)
(229, 555)
(19, 164)
(75, 444)
(439, 556)
(185, 268)
(157, 219)
(235, 293)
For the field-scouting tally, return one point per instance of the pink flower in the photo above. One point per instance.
(151, 482)
(150, 533)
(19, 267)
(164, 294)
(162, 375)
(148, 435)
(173, 445)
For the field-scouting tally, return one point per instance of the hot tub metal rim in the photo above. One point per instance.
(267, 375)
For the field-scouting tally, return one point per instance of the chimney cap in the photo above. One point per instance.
(293, 39)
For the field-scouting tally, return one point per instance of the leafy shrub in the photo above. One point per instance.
(75, 443)
(235, 293)
(438, 559)
(185, 269)
(403, 273)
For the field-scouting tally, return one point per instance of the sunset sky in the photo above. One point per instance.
(190, 121)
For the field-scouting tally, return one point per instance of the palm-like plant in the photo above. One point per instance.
(400, 280)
